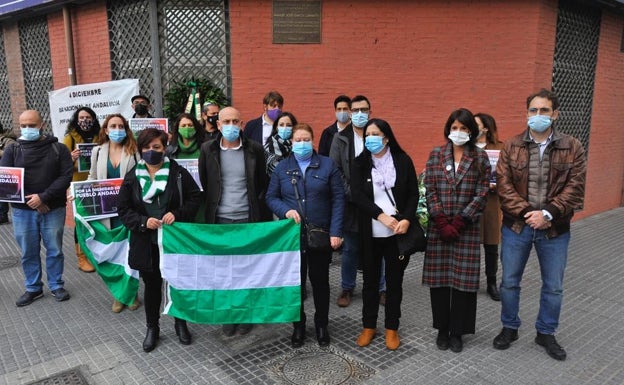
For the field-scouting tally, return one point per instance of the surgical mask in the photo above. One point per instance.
(30, 133)
(140, 109)
(539, 123)
(359, 119)
(187, 132)
(481, 145)
(374, 144)
(274, 113)
(459, 138)
(342, 116)
(284, 132)
(116, 135)
(152, 157)
(230, 132)
(212, 120)
(86, 124)
(302, 150)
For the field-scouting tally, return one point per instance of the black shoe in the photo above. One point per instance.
(60, 295)
(553, 349)
(4, 219)
(229, 330)
(443, 340)
(322, 336)
(298, 336)
(504, 339)
(492, 290)
(182, 331)
(151, 338)
(28, 297)
(455, 343)
(244, 329)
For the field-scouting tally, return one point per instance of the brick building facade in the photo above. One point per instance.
(415, 60)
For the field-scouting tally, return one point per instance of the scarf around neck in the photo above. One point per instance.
(383, 171)
(149, 188)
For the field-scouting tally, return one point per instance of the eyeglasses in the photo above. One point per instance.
(542, 111)
(363, 109)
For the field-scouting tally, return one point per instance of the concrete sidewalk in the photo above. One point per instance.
(81, 341)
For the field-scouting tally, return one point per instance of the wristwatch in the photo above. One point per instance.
(547, 215)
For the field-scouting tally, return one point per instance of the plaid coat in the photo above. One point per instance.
(455, 264)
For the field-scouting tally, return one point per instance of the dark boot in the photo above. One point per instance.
(151, 338)
(298, 336)
(491, 268)
(492, 289)
(182, 331)
(322, 336)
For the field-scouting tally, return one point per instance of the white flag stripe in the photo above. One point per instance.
(115, 253)
(231, 272)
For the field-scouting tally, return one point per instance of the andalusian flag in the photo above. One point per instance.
(233, 273)
(107, 251)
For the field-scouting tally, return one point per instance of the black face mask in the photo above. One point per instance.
(152, 157)
(212, 120)
(140, 109)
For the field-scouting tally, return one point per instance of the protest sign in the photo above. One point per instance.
(12, 184)
(96, 199)
(139, 124)
(493, 155)
(192, 166)
(104, 98)
(84, 160)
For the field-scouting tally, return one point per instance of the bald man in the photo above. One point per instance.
(233, 175)
(48, 171)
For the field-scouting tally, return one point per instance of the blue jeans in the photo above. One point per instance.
(349, 262)
(30, 228)
(552, 255)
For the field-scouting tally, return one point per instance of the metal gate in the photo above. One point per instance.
(5, 95)
(164, 42)
(574, 66)
(37, 65)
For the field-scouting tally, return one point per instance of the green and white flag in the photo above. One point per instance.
(233, 273)
(107, 251)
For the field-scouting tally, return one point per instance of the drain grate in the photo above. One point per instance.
(69, 377)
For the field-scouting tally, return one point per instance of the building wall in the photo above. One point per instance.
(415, 61)
(605, 170)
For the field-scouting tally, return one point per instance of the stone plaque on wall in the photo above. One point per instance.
(296, 21)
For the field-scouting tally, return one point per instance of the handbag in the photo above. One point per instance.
(317, 238)
(413, 240)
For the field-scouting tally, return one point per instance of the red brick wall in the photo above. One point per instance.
(605, 170)
(415, 61)
(91, 45)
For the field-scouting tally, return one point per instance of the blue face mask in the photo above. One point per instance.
(284, 132)
(30, 133)
(539, 123)
(302, 150)
(374, 144)
(116, 136)
(230, 132)
(342, 116)
(359, 119)
(153, 157)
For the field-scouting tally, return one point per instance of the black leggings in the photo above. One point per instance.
(453, 310)
(152, 297)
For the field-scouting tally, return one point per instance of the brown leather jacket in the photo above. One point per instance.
(566, 181)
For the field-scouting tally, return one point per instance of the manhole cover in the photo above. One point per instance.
(70, 377)
(317, 368)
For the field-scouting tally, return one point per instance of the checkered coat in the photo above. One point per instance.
(455, 264)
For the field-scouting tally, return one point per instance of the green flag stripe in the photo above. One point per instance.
(268, 305)
(230, 239)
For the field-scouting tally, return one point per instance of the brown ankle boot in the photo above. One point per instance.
(135, 305)
(366, 337)
(392, 339)
(117, 306)
(83, 262)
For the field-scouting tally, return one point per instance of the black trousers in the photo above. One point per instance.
(316, 265)
(491, 262)
(383, 248)
(453, 310)
(152, 297)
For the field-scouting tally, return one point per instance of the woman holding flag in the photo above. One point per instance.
(115, 155)
(157, 191)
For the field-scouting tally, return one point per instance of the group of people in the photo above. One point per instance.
(360, 186)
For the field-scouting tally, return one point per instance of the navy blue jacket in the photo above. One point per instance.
(253, 130)
(321, 192)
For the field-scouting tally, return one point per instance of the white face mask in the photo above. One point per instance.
(459, 138)
(481, 145)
